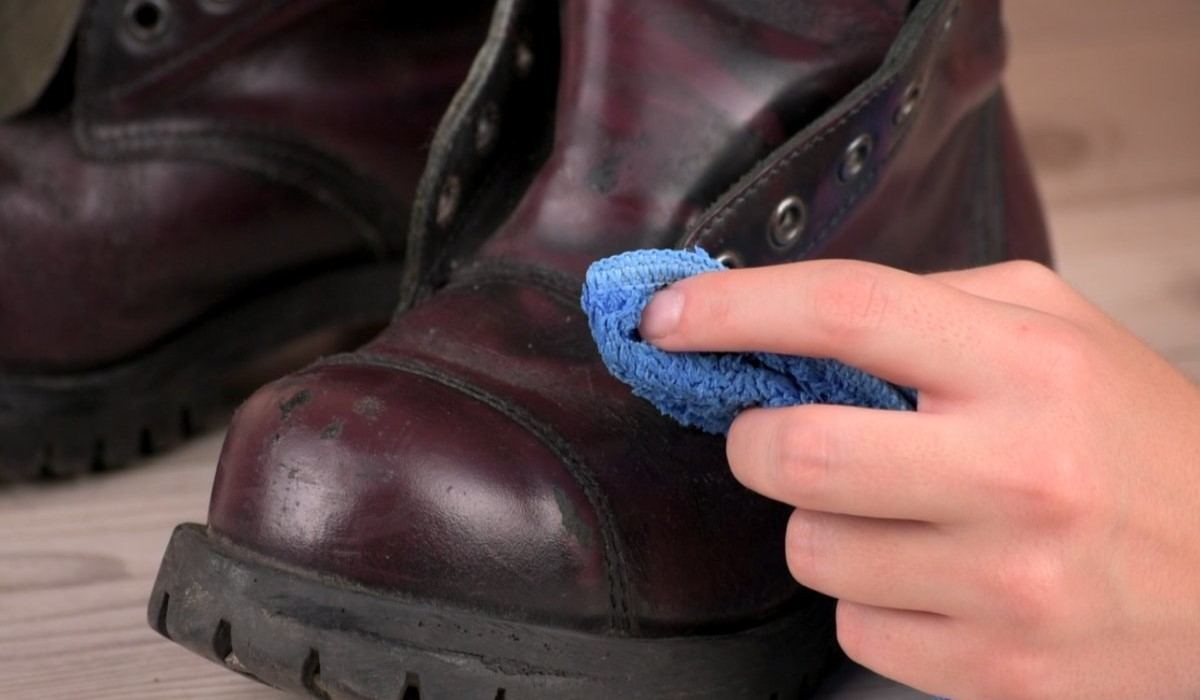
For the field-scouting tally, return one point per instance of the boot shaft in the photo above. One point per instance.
(861, 130)
(194, 153)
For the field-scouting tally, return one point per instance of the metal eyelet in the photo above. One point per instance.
(788, 222)
(730, 259)
(147, 20)
(448, 199)
(523, 59)
(908, 103)
(487, 128)
(854, 161)
(218, 7)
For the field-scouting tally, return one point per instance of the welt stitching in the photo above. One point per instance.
(614, 556)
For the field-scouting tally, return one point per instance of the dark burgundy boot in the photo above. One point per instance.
(470, 506)
(205, 181)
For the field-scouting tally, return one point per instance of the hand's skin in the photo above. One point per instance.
(1032, 531)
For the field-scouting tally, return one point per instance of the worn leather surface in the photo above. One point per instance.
(244, 144)
(477, 454)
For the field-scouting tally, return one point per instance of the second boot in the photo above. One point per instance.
(203, 183)
(469, 506)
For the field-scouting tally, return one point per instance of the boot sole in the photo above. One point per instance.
(71, 423)
(327, 638)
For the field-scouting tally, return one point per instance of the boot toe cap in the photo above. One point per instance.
(403, 483)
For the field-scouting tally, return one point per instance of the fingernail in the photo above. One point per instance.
(661, 315)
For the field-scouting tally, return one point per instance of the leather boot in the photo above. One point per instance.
(470, 506)
(203, 182)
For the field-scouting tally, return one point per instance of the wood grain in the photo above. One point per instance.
(1106, 93)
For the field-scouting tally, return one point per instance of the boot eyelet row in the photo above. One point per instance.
(486, 133)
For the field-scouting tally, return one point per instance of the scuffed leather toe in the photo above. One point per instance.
(403, 483)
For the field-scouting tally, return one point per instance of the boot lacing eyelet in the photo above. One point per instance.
(788, 222)
(908, 103)
(855, 159)
(447, 204)
(147, 20)
(951, 17)
(730, 259)
(487, 127)
(523, 59)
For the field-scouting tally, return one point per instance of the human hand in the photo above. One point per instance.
(1031, 531)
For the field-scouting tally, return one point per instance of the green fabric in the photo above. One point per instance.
(34, 36)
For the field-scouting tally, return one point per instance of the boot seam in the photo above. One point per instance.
(326, 179)
(563, 287)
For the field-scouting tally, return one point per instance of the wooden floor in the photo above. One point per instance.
(1107, 93)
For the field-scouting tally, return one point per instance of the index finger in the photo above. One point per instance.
(905, 328)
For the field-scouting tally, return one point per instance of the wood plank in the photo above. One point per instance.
(77, 560)
(1140, 262)
(1111, 120)
(1038, 24)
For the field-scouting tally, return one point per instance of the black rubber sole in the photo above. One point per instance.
(325, 638)
(68, 424)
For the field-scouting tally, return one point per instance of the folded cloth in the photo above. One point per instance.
(707, 390)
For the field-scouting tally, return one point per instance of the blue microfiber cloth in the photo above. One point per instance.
(702, 389)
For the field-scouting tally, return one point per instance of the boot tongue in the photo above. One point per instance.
(663, 105)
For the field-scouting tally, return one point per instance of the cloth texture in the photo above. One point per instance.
(708, 390)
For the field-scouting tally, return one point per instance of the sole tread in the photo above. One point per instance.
(322, 639)
(55, 426)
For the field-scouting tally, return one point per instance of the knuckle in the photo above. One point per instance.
(1065, 358)
(853, 300)
(1061, 490)
(803, 548)
(802, 455)
(1032, 592)
(1031, 276)
(739, 449)
(1051, 488)
(853, 632)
